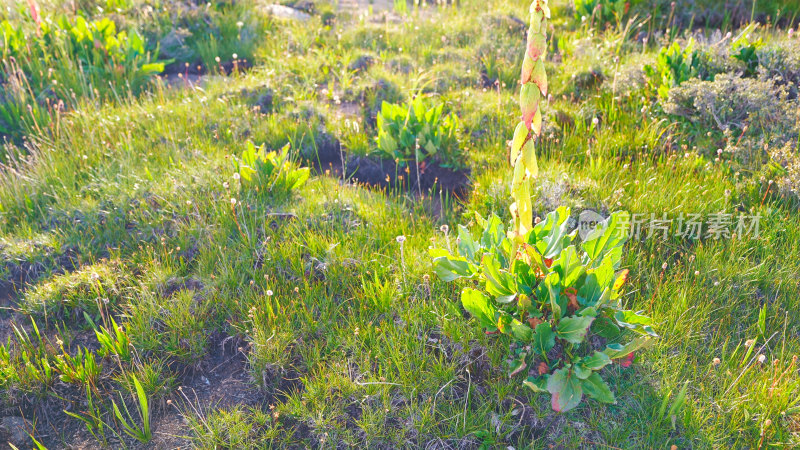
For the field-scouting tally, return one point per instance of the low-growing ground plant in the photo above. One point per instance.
(674, 65)
(557, 301)
(270, 171)
(602, 11)
(55, 62)
(414, 133)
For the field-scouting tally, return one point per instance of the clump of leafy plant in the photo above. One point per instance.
(53, 63)
(270, 171)
(604, 11)
(746, 51)
(414, 133)
(673, 66)
(558, 301)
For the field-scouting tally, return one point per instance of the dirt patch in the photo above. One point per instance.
(388, 174)
(19, 273)
(530, 424)
(382, 173)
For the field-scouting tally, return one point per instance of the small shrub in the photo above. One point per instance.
(415, 133)
(560, 303)
(781, 64)
(786, 164)
(270, 172)
(732, 102)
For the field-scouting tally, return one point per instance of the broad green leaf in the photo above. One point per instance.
(605, 327)
(551, 235)
(537, 384)
(466, 245)
(573, 329)
(479, 306)
(493, 232)
(569, 266)
(597, 361)
(552, 291)
(498, 282)
(300, 177)
(596, 388)
(616, 351)
(521, 331)
(543, 338)
(635, 321)
(581, 371)
(566, 390)
(448, 267)
(595, 282)
(609, 236)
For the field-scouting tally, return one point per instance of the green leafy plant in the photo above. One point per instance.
(31, 368)
(114, 342)
(604, 11)
(557, 300)
(746, 51)
(59, 61)
(144, 433)
(271, 171)
(82, 368)
(674, 65)
(414, 133)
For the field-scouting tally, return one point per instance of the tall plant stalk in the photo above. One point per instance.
(533, 92)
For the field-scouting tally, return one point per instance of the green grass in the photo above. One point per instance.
(338, 339)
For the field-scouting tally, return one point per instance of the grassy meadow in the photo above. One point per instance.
(155, 294)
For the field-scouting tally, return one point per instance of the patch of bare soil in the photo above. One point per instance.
(221, 380)
(388, 174)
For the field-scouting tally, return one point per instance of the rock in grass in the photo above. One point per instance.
(285, 12)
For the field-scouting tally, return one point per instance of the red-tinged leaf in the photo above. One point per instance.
(543, 368)
(527, 69)
(489, 333)
(548, 262)
(536, 122)
(538, 75)
(537, 45)
(566, 390)
(523, 365)
(627, 361)
(529, 97)
(533, 322)
(572, 295)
